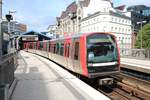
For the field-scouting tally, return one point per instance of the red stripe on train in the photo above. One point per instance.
(83, 55)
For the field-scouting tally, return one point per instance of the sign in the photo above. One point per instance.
(98, 40)
(30, 38)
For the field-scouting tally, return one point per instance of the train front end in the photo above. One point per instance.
(102, 55)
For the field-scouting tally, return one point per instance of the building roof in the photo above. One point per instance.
(122, 7)
(36, 33)
(72, 8)
(117, 14)
(137, 7)
(85, 3)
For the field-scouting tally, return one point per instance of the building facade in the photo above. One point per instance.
(51, 31)
(14, 27)
(96, 16)
(120, 26)
(69, 21)
(107, 19)
(141, 9)
(138, 13)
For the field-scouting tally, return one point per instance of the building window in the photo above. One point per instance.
(116, 20)
(119, 38)
(129, 30)
(112, 28)
(104, 18)
(119, 20)
(112, 19)
(97, 19)
(94, 20)
(119, 29)
(115, 28)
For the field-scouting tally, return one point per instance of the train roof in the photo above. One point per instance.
(77, 36)
(81, 34)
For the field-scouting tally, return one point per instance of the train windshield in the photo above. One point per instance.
(101, 48)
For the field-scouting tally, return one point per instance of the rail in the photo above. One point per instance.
(7, 67)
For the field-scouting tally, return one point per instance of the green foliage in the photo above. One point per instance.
(145, 37)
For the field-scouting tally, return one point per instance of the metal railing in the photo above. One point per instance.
(7, 67)
(135, 53)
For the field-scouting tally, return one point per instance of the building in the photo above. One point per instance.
(69, 21)
(119, 25)
(107, 19)
(51, 31)
(141, 9)
(96, 16)
(14, 27)
(138, 14)
(21, 28)
(32, 36)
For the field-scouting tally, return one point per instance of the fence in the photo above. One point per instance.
(135, 53)
(7, 67)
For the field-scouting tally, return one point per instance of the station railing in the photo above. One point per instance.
(136, 53)
(8, 65)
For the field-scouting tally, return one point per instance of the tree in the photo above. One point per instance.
(145, 32)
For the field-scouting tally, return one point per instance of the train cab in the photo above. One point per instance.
(102, 55)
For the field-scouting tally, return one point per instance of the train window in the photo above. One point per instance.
(68, 49)
(41, 46)
(57, 48)
(62, 49)
(34, 45)
(37, 45)
(47, 46)
(65, 50)
(76, 53)
(30, 46)
(54, 48)
(44, 47)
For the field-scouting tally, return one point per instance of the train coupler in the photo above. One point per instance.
(106, 81)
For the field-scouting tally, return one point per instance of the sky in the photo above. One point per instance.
(38, 14)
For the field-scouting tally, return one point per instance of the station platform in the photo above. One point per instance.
(40, 79)
(135, 64)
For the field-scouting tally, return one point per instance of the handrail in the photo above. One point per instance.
(5, 58)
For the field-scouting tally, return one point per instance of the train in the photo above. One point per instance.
(91, 55)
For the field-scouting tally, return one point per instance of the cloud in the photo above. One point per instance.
(39, 14)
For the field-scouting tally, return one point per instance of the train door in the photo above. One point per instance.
(70, 55)
(76, 55)
(47, 48)
(67, 53)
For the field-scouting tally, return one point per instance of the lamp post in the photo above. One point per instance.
(141, 32)
(1, 35)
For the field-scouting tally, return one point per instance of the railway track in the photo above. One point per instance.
(116, 93)
(127, 88)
